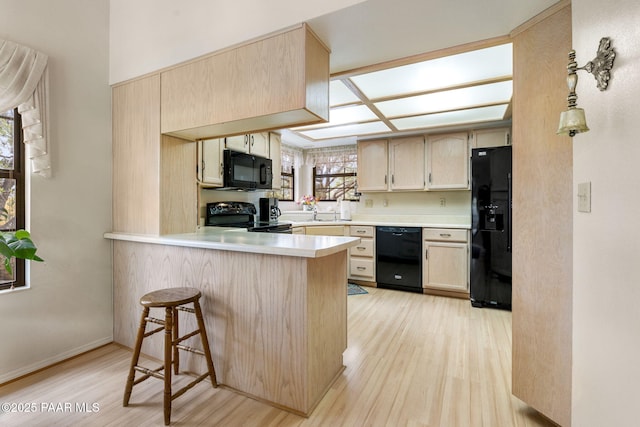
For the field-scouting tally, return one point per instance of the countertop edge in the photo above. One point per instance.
(301, 246)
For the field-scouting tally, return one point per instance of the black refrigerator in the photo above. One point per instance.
(491, 186)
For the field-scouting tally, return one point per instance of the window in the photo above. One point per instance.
(287, 185)
(11, 189)
(334, 174)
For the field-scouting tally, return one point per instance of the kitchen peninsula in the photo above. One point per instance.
(274, 305)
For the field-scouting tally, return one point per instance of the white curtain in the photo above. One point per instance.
(24, 83)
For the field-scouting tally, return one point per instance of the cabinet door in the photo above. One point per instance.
(210, 161)
(237, 143)
(325, 230)
(445, 266)
(407, 163)
(276, 160)
(259, 144)
(491, 138)
(448, 162)
(373, 165)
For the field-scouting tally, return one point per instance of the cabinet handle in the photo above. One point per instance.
(393, 179)
(253, 140)
(429, 177)
(360, 231)
(246, 139)
(221, 169)
(385, 179)
(445, 235)
(360, 248)
(426, 254)
(361, 268)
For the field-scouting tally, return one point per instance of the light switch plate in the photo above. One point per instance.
(584, 197)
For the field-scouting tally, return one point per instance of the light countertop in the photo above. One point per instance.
(425, 221)
(239, 240)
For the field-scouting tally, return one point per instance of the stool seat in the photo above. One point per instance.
(173, 301)
(171, 297)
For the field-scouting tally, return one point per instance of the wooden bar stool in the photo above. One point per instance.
(172, 300)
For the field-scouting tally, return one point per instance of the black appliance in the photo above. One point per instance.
(241, 214)
(491, 187)
(246, 171)
(269, 210)
(398, 258)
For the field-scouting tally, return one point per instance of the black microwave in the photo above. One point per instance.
(246, 171)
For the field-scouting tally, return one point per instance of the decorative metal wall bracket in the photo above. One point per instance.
(573, 120)
(602, 64)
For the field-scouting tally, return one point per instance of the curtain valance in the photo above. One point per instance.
(24, 83)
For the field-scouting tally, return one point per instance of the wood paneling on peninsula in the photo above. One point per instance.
(276, 324)
(542, 225)
(271, 83)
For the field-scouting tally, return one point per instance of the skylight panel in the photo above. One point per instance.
(347, 130)
(339, 94)
(473, 115)
(343, 115)
(456, 99)
(468, 67)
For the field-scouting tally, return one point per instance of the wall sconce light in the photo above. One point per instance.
(573, 120)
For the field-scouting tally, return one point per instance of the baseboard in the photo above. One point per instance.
(26, 370)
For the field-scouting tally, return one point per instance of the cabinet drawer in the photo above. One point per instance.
(445, 234)
(361, 267)
(362, 231)
(364, 248)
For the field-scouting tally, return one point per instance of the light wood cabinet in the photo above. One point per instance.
(210, 162)
(275, 153)
(373, 165)
(448, 161)
(362, 261)
(497, 137)
(406, 163)
(446, 259)
(254, 143)
(297, 230)
(154, 188)
(325, 230)
(271, 83)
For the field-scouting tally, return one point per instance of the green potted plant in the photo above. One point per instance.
(17, 244)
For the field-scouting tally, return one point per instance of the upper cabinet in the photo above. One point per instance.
(373, 165)
(497, 137)
(210, 162)
(254, 143)
(448, 161)
(276, 82)
(406, 163)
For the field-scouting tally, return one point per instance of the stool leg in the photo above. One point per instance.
(136, 356)
(205, 343)
(176, 337)
(168, 331)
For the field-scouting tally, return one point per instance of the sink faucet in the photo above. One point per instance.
(315, 213)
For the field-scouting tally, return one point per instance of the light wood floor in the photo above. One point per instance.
(412, 360)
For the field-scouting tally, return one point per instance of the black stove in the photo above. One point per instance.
(241, 215)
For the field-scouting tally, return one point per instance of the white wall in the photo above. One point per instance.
(68, 308)
(606, 322)
(147, 35)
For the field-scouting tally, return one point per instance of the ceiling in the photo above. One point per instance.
(377, 100)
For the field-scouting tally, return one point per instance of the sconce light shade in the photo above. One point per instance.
(572, 122)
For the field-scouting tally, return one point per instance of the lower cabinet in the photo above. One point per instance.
(362, 261)
(325, 230)
(446, 259)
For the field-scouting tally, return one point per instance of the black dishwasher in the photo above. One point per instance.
(398, 258)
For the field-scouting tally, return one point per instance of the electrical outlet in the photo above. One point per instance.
(443, 202)
(368, 203)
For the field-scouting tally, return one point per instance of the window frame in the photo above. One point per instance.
(332, 175)
(18, 173)
(292, 176)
